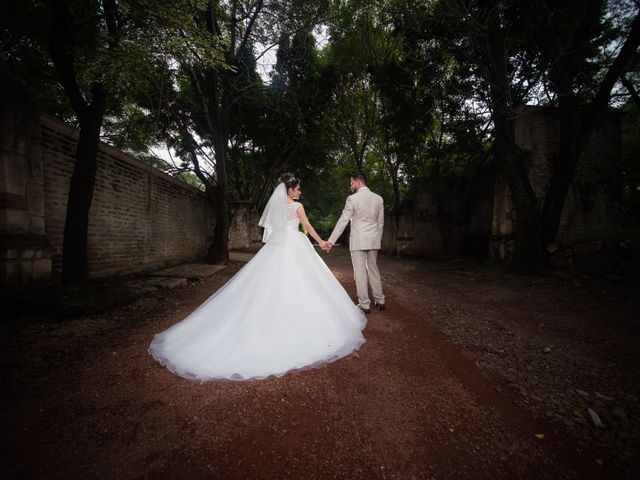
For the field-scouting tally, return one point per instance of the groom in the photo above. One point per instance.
(365, 210)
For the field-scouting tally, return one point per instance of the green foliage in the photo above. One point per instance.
(151, 35)
(24, 33)
(396, 92)
(278, 127)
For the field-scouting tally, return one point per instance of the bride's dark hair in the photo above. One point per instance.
(289, 180)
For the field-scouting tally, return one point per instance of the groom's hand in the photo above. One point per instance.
(328, 246)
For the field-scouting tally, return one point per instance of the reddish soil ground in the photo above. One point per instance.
(441, 389)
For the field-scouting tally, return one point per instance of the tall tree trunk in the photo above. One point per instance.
(214, 195)
(217, 104)
(397, 206)
(562, 169)
(90, 115)
(75, 264)
(219, 250)
(527, 256)
(576, 126)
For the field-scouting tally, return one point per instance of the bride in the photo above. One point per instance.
(284, 310)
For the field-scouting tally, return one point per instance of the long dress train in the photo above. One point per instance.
(284, 310)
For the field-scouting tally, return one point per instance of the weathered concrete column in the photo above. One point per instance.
(244, 231)
(25, 252)
(502, 227)
(592, 205)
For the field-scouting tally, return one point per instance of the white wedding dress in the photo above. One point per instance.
(284, 310)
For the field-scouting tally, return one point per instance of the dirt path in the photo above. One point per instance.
(83, 399)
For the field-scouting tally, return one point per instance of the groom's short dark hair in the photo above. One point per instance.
(359, 176)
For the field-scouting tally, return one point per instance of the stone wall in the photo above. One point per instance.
(418, 232)
(487, 226)
(469, 225)
(479, 214)
(25, 251)
(140, 218)
(592, 204)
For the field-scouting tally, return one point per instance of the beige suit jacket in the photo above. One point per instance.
(365, 210)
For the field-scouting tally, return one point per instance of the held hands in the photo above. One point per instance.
(326, 246)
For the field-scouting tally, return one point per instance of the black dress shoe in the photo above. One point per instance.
(379, 306)
(366, 311)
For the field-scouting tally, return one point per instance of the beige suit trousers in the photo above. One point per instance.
(365, 264)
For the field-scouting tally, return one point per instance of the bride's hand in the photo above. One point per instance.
(322, 244)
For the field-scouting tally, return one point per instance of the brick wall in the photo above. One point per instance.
(140, 217)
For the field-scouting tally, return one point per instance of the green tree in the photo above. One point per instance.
(380, 109)
(352, 115)
(568, 35)
(299, 92)
(211, 95)
(505, 39)
(101, 53)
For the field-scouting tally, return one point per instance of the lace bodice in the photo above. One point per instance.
(292, 216)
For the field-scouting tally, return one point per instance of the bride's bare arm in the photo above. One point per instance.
(302, 215)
